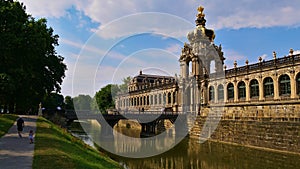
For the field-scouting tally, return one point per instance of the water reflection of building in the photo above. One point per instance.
(265, 88)
(127, 145)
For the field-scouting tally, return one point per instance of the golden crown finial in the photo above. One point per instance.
(200, 12)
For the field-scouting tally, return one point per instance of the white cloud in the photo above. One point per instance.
(264, 56)
(85, 47)
(231, 56)
(220, 14)
(159, 23)
(255, 13)
(255, 60)
(45, 8)
(71, 43)
(175, 48)
(296, 52)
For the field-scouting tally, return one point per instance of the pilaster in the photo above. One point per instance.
(293, 86)
(225, 93)
(261, 90)
(236, 92)
(276, 88)
(247, 91)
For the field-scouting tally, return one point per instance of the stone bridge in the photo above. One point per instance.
(148, 120)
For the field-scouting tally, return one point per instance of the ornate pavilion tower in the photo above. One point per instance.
(200, 58)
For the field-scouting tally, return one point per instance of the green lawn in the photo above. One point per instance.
(6, 121)
(56, 148)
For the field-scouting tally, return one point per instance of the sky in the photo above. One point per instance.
(104, 41)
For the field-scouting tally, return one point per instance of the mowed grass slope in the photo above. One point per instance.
(6, 121)
(56, 148)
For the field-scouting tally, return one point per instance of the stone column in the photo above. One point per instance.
(276, 88)
(153, 97)
(261, 90)
(236, 92)
(180, 99)
(198, 97)
(216, 94)
(184, 69)
(192, 91)
(247, 91)
(293, 86)
(204, 95)
(195, 66)
(225, 93)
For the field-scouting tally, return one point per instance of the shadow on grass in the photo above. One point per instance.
(6, 121)
(56, 148)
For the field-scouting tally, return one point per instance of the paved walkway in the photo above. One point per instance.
(16, 152)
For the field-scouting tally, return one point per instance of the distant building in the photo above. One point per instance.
(267, 88)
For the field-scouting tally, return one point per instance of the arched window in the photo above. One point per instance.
(159, 98)
(148, 98)
(220, 92)
(169, 98)
(242, 90)
(211, 93)
(174, 97)
(268, 87)
(212, 67)
(230, 91)
(190, 68)
(164, 98)
(254, 88)
(284, 85)
(155, 99)
(298, 83)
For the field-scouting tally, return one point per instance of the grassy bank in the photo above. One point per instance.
(56, 148)
(6, 121)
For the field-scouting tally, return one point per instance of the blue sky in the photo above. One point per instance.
(104, 41)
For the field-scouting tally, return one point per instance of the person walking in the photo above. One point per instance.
(31, 136)
(20, 126)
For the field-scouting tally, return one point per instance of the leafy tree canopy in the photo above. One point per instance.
(53, 101)
(82, 102)
(69, 103)
(30, 68)
(104, 97)
(124, 86)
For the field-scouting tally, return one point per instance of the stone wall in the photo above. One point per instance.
(279, 133)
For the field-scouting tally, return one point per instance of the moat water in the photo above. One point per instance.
(191, 154)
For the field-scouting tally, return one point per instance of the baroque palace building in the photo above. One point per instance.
(266, 88)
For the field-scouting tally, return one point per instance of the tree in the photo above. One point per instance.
(53, 101)
(124, 87)
(82, 102)
(69, 103)
(30, 68)
(104, 97)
